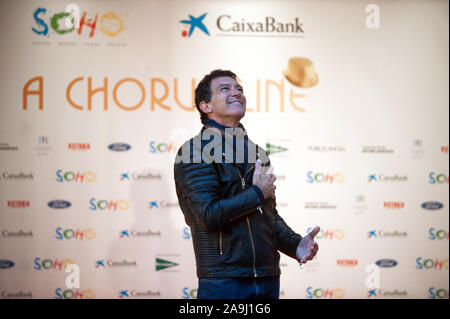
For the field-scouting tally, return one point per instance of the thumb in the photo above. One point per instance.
(258, 167)
(314, 232)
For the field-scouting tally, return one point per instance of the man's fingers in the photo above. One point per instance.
(269, 170)
(314, 232)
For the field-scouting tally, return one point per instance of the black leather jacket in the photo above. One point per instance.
(235, 233)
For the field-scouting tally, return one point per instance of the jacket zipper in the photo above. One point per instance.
(221, 233)
(249, 229)
(220, 243)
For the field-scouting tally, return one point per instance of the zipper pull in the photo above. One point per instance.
(243, 183)
(260, 210)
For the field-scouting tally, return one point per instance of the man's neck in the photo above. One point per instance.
(229, 122)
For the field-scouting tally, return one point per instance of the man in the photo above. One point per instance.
(226, 191)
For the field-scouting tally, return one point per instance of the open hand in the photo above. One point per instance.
(307, 248)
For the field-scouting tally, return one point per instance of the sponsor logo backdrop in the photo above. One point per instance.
(352, 109)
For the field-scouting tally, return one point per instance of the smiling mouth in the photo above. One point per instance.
(235, 102)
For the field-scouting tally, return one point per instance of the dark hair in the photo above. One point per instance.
(203, 89)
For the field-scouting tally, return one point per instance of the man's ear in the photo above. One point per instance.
(205, 107)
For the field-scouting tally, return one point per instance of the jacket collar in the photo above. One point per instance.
(211, 122)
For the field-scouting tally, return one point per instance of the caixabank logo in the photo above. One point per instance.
(385, 293)
(5, 294)
(110, 263)
(135, 176)
(16, 176)
(15, 234)
(386, 234)
(154, 204)
(380, 178)
(134, 233)
(133, 293)
(237, 25)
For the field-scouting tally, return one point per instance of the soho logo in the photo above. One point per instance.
(438, 179)
(111, 205)
(328, 234)
(189, 293)
(317, 293)
(436, 293)
(438, 234)
(67, 21)
(156, 147)
(74, 294)
(55, 264)
(75, 177)
(437, 264)
(74, 234)
(324, 178)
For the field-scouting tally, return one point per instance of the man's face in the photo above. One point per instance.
(227, 98)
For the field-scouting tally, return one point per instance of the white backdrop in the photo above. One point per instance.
(91, 118)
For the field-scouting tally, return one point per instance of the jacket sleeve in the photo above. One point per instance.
(287, 239)
(200, 187)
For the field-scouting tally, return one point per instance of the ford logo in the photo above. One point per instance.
(119, 147)
(4, 264)
(432, 205)
(386, 263)
(59, 204)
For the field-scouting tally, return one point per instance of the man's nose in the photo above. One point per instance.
(236, 92)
